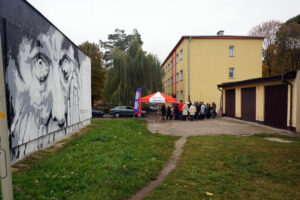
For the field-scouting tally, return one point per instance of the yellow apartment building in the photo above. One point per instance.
(197, 64)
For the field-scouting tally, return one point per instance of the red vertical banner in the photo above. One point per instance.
(172, 73)
(175, 75)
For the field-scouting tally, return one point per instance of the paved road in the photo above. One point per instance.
(217, 126)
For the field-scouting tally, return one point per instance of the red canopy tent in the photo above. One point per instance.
(158, 97)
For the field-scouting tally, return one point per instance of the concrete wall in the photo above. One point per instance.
(48, 79)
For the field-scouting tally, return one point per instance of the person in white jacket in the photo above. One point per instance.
(185, 109)
(192, 111)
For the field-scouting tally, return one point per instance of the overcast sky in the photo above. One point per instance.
(161, 22)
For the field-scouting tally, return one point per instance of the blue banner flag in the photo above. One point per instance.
(137, 103)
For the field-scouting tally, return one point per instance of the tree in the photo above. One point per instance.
(130, 69)
(97, 72)
(288, 47)
(120, 41)
(293, 19)
(268, 30)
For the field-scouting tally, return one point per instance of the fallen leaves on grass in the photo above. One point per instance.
(209, 194)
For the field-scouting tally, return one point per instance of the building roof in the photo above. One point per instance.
(285, 76)
(210, 37)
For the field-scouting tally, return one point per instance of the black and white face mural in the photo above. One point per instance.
(48, 86)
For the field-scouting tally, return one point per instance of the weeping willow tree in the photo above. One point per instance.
(131, 68)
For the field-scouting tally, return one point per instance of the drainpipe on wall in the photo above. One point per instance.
(189, 66)
(291, 99)
(221, 100)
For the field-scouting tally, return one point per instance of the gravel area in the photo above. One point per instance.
(222, 125)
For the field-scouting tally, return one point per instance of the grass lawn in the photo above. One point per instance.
(234, 167)
(112, 160)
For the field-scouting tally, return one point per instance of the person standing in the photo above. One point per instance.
(163, 111)
(208, 111)
(172, 112)
(185, 113)
(169, 113)
(202, 111)
(214, 110)
(176, 111)
(180, 110)
(192, 111)
(197, 110)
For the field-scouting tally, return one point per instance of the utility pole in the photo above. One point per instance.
(5, 166)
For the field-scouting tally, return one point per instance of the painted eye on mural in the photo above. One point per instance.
(41, 64)
(65, 66)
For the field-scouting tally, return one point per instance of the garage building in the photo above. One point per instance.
(269, 100)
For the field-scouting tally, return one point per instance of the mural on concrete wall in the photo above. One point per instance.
(48, 87)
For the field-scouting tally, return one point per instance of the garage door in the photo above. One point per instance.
(276, 105)
(230, 103)
(249, 104)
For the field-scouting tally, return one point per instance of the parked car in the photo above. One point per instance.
(124, 111)
(154, 107)
(97, 113)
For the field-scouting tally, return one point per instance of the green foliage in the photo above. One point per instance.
(113, 160)
(98, 73)
(281, 47)
(287, 48)
(234, 167)
(129, 69)
(120, 41)
(294, 19)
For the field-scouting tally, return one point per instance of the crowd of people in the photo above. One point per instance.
(188, 111)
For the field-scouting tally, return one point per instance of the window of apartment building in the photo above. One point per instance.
(181, 74)
(177, 77)
(231, 51)
(231, 72)
(177, 58)
(181, 54)
(181, 94)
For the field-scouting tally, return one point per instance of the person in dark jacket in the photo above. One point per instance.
(197, 110)
(208, 111)
(169, 113)
(176, 111)
(213, 112)
(163, 111)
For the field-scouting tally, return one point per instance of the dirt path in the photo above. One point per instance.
(166, 170)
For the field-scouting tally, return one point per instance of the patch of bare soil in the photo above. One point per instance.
(163, 174)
